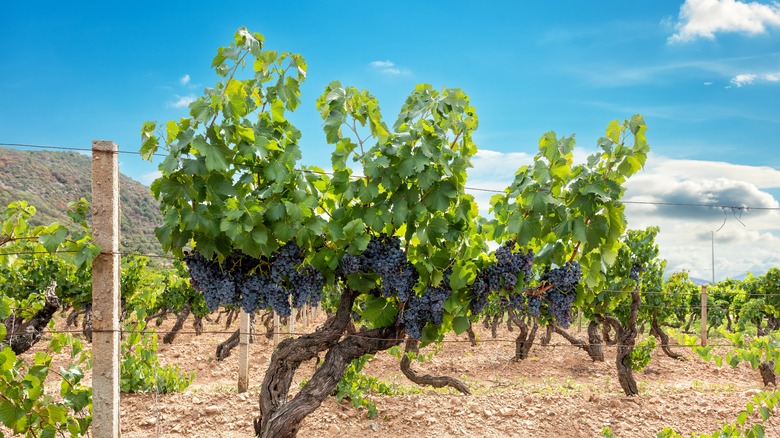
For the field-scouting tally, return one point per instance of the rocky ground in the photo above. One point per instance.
(557, 392)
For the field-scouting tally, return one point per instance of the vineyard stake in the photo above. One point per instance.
(276, 329)
(291, 320)
(704, 315)
(243, 351)
(105, 290)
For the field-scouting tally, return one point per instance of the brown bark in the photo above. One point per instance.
(22, 335)
(158, 316)
(197, 324)
(232, 315)
(595, 344)
(691, 317)
(183, 315)
(525, 340)
(494, 325)
(547, 337)
(73, 317)
(86, 323)
(413, 346)
(472, 336)
(606, 329)
(593, 347)
(658, 332)
(268, 323)
(223, 349)
(626, 338)
(767, 370)
(280, 417)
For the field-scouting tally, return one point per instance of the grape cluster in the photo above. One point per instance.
(256, 284)
(509, 268)
(534, 304)
(559, 306)
(385, 257)
(559, 297)
(421, 310)
(564, 278)
(479, 290)
(635, 270)
(208, 277)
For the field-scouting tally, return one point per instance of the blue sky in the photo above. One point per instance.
(704, 73)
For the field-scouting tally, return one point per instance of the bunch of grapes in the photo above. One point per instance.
(510, 267)
(559, 306)
(421, 310)
(563, 283)
(208, 277)
(257, 284)
(479, 290)
(534, 304)
(385, 257)
(635, 270)
(565, 278)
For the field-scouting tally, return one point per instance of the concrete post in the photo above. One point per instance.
(243, 351)
(105, 290)
(704, 315)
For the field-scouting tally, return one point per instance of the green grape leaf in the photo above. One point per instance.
(51, 241)
(460, 324)
(381, 312)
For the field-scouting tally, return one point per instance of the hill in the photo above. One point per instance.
(50, 180)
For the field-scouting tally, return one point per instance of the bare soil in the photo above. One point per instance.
(556, 392)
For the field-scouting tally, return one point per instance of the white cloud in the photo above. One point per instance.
(382, 64)
(747, 241)
(182, 101)
(751, 78)
(743, 239)
(148, 178)
(184, 80)
(763, 177)
(388, 68)
(708, 83)
(743, 79)
(703, 18)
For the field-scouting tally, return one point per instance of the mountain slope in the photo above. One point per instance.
(50, 180)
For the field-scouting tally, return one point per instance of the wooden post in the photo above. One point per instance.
(292, 324)
(243, 351)
(276, 329)
(105, 290)
(704, 315)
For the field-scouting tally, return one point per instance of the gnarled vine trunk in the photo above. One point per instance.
(767, 370)
(658, 332)
(626, 338)
(280, 417)
(494, 325)
(22, 335)
(525, 340)
(606, 329)
(86, 323)
(185, 312)
(224, 347)
(268, 323)
(547, 337)
(593, 347)
(413, 346)
(472, 335)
